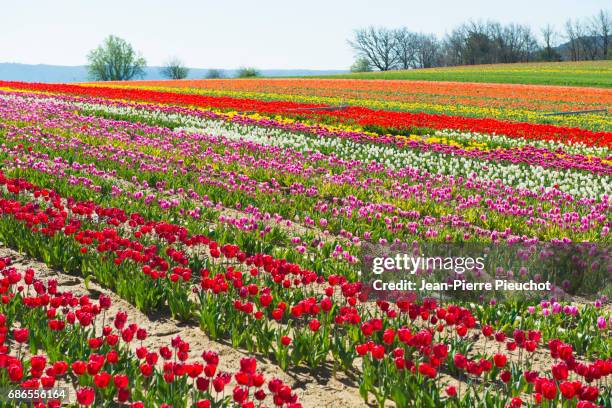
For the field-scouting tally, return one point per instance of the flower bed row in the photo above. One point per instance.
(504, 102)
(52, 339)
(373, 119)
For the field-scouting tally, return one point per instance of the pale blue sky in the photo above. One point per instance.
(227, 34)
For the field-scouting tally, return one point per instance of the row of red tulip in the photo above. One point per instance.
(378, 120)
(73, 342)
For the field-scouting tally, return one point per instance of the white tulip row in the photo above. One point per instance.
(575, 182)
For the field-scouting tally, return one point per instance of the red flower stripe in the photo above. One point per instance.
(385, 120)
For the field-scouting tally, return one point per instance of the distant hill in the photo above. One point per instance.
(60, 73)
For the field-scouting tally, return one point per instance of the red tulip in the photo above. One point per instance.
(202, 384)
(499, 360)
(218, 384)
(21, 335)
(123, 394)
(440, 351)
(146, 370)
(560, 371)
(209, 370)
(388, 336)
(85, 396)
(15, 372)
(549, 390)
(47, 381)
(60, 368)
(589, 393)
(361, 349)
(95, 343)
(460, 361)
(102, 379)
(120, 380)
(38, 363)
(314, 325)
(326, 304)
(516, 402)
(378, 352)
(568, 389)
(79, 367)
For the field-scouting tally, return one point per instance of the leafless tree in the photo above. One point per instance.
(573, 43)
(548, 52)
(479, 45)
(549, 35)
(377, 45)
(484, 42)
(428, 51)
(587, 39)
(454, 49)
(522, 45)
(601, 27)
(406, 48)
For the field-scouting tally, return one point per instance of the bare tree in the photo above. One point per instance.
(174, 69)
(454, 49)
(406, 48)
(524, 45)
(573, 43)
(601, 29)
(428, 51)
(480, 42)
(587, 40)
(549, 35)
(377, 45)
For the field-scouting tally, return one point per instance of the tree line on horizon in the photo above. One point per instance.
(116, 60)
(477, 42)
(384, 49)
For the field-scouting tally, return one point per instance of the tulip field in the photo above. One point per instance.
(524, 103)
(197, 243)
(566, 73)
